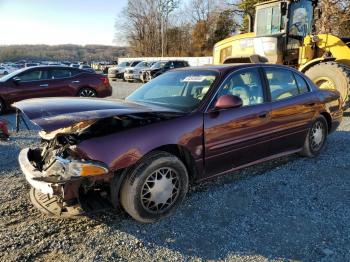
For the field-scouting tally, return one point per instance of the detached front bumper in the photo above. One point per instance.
(31, 173)
(67, 190)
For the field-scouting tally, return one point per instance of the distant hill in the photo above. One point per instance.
(61, 52)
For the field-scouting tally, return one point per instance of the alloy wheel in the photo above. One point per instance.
(87, 93)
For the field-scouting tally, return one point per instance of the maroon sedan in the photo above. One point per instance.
(48, 81)
(186, 125)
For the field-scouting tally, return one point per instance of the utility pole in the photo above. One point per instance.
(162, 33)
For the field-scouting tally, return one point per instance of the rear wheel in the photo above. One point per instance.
(87, 92)
(155, 187)
(331, 75)
(316, 138)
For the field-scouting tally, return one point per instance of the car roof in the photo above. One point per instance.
(50, 66)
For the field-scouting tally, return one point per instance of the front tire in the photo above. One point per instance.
(155, 187)
(316, 138)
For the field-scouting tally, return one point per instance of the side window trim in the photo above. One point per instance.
(307, 84)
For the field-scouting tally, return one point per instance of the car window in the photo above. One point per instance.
(178, 64)
(245, 84)
(34, 75)
(302, 85)
(282, 83)
(182, 90)
(60, 73)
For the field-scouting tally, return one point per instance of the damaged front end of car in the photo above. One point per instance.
(58, 170)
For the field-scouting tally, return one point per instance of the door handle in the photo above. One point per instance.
(44, 85)
(76, 81)
(263, 114)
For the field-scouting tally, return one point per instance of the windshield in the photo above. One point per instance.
(158, 65)
(133, 64)
(268, 20)
(142, 64)
(301, 18)
(7, 77)
(124, 64)
(181, 90)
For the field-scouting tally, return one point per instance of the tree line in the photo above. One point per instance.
(192, 27)
(61, 53)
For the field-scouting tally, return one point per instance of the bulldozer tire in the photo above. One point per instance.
(332, 75)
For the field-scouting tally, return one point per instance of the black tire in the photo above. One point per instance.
(2, 107)
(159, 178)
(87, 92)
(338, 73)
(312, 146)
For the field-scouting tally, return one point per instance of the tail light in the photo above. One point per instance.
(105, 81)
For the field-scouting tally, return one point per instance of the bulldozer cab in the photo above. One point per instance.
(284, 17)
(288, 22)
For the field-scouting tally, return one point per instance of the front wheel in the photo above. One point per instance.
(316, 138)
(87, 92)
(155, 187)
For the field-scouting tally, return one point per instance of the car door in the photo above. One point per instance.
(292, 109)
(237, 136)
(29, 84)
(63, 83)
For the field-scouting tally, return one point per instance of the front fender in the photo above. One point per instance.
(123, 149)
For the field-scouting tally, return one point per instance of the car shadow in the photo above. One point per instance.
(283, 209)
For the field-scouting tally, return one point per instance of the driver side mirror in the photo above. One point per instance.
(16, 79)
(228, 101)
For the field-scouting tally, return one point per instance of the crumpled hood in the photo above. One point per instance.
(53, 113)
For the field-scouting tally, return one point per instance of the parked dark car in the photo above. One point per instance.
(186, 125)
(160, 68)
(87, 68)
(48, 81)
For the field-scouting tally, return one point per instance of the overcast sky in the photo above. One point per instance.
(58, 21)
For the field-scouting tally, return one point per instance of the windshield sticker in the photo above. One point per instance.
(194, 79)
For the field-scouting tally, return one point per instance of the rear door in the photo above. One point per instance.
(292, 109)
(63, 83)
(237, 136)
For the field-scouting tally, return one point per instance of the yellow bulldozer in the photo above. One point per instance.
(284, 33)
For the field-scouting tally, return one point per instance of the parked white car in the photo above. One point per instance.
(4, 70)
(118, 71)
(133, 73)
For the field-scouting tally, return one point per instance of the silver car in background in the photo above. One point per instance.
(117, 72)
(132, 74)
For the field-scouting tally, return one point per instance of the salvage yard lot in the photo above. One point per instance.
(292, 208)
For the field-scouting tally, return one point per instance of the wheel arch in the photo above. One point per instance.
(179, 151)
(184, 155)
(328, 118)
(314, 62)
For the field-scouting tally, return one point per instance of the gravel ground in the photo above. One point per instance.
(292, 208)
